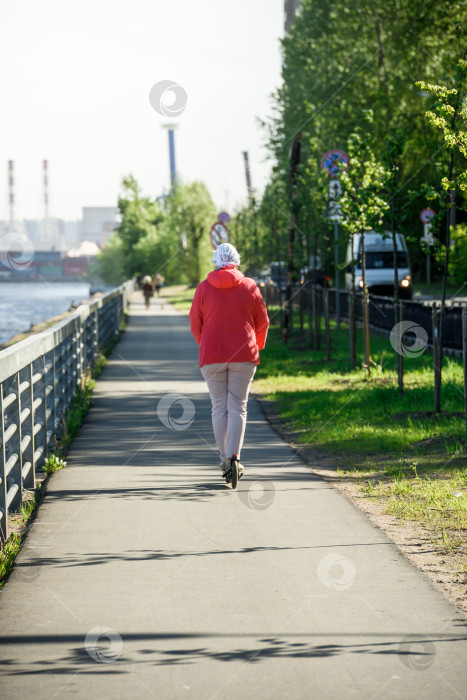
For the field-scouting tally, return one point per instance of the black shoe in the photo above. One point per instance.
(234, 470)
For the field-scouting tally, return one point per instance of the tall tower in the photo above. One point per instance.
(249, 187)
(11, 192)
(173, 170)
(45, 165)
(290, 8)
(49, 233)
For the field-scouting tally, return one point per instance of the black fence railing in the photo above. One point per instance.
(382, 312)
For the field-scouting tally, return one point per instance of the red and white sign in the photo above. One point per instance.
(426, 215)
(334, 162)
(219, 234)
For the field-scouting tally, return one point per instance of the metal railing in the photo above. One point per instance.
(38, 378)
(382, 312)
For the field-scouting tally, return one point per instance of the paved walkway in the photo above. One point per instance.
(143, 576)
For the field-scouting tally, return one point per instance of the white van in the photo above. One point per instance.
(379, 264)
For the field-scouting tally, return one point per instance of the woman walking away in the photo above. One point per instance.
(158, 282)
(230, 323)
(147, 290)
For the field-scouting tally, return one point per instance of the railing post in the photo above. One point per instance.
(436, 360)
(95, 338)
(464, 355)
(44, 405)
(29, 479)
(310, 320)
(352, 330)
(300, 299)
(326, 322)
(3, 483)
(317, 318)
(12, 436)
(400, 357)
(58, 388)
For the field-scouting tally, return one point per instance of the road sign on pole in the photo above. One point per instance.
(335, 162)
(334, 209)
(426, 215)
(223, 217)
(219, 234)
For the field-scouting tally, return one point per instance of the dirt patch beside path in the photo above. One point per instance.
(412, 539)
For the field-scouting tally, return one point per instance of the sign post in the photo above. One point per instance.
(334, 162)
(425, 217)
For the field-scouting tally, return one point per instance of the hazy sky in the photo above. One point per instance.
(74, 88)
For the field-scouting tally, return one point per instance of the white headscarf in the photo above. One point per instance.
(225, 254)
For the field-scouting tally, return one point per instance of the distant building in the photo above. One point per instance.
(290, 9)
(98, 224)
(53, 234)
(73, 233)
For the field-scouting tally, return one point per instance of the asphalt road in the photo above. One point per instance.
(144, 576)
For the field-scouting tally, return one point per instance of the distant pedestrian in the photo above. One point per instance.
(147, 290)
(158, 282)
(230, 323)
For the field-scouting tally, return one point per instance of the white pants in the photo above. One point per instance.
(229, 384)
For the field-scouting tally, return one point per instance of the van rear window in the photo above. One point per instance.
(383, 260)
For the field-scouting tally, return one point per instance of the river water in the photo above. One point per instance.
(26, 303)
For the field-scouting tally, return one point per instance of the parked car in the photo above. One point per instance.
(314, 274)
(379, 264)
(276, 275)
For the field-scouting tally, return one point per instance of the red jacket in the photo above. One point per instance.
(228, 318)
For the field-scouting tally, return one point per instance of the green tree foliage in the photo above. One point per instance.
(363, 205)
(450, 117)
(111, 266)
(458, 258)
(343, 59)
(140, 219)
(190, 210)
(148, 239)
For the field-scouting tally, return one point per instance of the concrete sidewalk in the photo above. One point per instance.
(144, 576)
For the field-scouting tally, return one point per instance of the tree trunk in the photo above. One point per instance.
(399, 311)
(352, 322)
(450, 221)
(436, 358)
(464, 349)
(366, 309)
(294, 165)
(326, 322)
(310, 320)
(352, 330)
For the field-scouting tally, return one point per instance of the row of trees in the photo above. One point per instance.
(387, 83)
(360, 77)
(170, 237)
